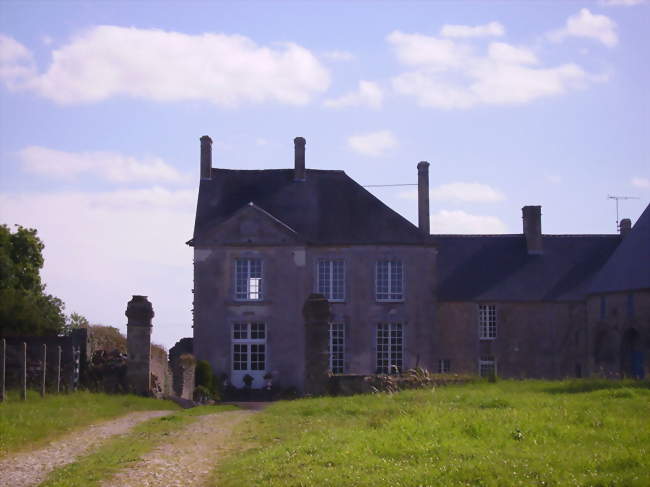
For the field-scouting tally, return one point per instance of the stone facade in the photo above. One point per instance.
(535, 290)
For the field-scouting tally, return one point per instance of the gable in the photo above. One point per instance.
(327, 208)
(250, 225)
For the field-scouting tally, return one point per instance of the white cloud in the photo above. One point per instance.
(226, 70)
(369, 95)
(586, 24)
(110, 166)
(338, 56)
(458, 221)
(621, 3)
(100, 248)
(16, 62)
(491, 29)
(641, 182)
(373, 144)
(461, 192)
(452, 75)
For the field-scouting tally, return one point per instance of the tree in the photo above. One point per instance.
(74, 322)
(25, 308)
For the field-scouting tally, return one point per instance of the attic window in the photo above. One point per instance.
(248, 279)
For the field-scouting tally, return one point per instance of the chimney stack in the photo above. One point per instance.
(625, 226)
(206, 157)
(423, 196)
(532, 216)
(299, 159)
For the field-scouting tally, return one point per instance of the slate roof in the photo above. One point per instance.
(498, 267)
(629, 267)
(327, 208)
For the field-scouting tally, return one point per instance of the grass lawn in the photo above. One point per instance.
(119, 452)
(27, 424)
(527, 433)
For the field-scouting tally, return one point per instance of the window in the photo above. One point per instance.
(487, 322)
(248, 279)
(248, 346)
(389, 348)
(389, 280)
(630, 305)
(444, 366)
(487, 367)
(603, 307)
(331, 279)
(337, 348)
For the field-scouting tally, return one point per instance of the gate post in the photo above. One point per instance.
(316, 312)
(138, 343)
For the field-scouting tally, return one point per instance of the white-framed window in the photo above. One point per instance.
(487, 366)
(444, 366)
(487, 321)
(390, 348)
(330, 279)
(248, 279)
(337, 348)
(249, 346)
(389, 280)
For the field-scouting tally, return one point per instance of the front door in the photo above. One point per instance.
(248, 354)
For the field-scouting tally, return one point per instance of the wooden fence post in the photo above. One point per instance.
(44, 367)
(3, 349)
(23, 375)
(58, 371)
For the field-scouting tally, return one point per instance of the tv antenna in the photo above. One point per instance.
(618, 198)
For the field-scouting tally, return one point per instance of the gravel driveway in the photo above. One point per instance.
(31, 467)
(187, 456)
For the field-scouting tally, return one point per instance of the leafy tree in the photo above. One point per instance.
(25, 308)
(75, 321)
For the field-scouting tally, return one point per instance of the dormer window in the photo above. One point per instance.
(248, 279)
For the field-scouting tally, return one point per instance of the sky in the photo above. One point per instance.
(512, 102)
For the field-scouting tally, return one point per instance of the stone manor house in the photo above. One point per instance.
(520, 305)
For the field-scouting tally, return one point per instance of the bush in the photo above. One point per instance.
(205, 379)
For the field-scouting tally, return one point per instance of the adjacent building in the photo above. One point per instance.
(516, 305)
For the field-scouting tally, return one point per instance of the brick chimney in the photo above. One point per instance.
(206, 157)
(532, 216)
(299, 159)
(625, 226)
(423, 196)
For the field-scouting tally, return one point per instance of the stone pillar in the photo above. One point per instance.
(138, 343)
(316, 312)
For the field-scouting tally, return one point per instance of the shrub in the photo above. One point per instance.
(204, 378)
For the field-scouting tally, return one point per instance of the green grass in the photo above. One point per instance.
(28, 424)
(117, 453)
(587, 433)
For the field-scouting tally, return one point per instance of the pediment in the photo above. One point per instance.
(251, 225)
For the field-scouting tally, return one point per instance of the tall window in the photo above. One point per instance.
(331, 279)
(389, 280)
(487, 367)
(248, 279)
(248, 346)
(390, 341)
(337, 348)
(487, 322)
(444, 366)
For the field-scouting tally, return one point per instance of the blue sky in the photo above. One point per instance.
(102, 105)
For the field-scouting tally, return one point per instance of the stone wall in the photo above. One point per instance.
(619, 333)
(288, 278)
(534, 340)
